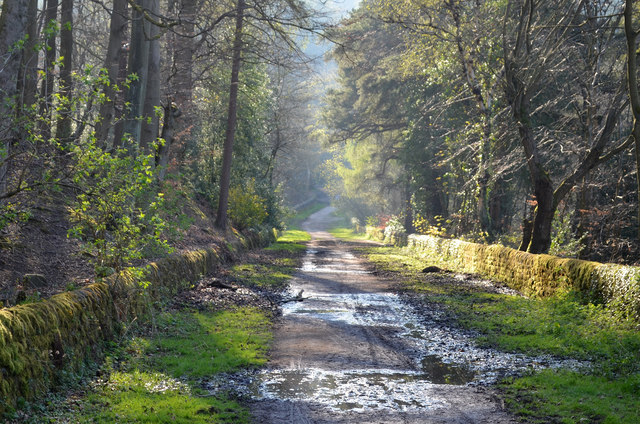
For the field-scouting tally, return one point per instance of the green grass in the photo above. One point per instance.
(564, 326)
(572, 397)
(154, 376)
(201, 344)
(281, 265)
(346, 234)
(275, 275)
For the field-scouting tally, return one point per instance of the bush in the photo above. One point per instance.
(118, 214)
(246, 208)
(394, 232)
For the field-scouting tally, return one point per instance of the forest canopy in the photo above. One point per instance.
(497, 121)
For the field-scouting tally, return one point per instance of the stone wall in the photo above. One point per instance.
(536, 275)
(42, 343)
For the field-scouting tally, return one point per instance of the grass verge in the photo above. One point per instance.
(564, 326)
(157, 373)
(278, 263)
(347, 234)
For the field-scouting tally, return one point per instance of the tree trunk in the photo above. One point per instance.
(63, 133)
(151, 122)
(182, 76)
(171, 112)
(119, 102)
(46, 90)
(28, 78)
(139, 66)
(544, 213)
(13, 22)
(631, 36)
(117, 32)
(225, 175)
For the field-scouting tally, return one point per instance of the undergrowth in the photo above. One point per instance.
(563, 326)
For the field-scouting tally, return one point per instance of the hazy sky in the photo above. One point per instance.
(342, 6)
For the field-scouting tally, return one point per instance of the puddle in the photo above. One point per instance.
(438, 372)
(351, 390)
(331, 262)
(437, 353)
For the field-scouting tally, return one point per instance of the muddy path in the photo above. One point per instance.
(353, 352)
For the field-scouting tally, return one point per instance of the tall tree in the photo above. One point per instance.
(139, 67)
(451, 30)
(181, 81)
(13, 26)
(227, 155)
(115, 52)
(532, 48)
(63, 132)
(151, 120)
(28, 78)
(47, 85)
(631, 35)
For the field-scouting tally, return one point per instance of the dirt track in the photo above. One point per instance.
(348, 353)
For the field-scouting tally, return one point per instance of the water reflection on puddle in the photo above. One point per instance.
(438, 372)
(329, 262)
(451, 355)
(350, 390)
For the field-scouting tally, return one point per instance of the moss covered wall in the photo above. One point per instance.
(43, 343)
(537, 275)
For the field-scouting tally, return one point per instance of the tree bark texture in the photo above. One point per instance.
(117, 32)
(181, 80)
(171, 112)
(46, 90)
(139, 66)
(28, 78)
(151, 122)
(13, 22)
(63, 131)
(227, 155)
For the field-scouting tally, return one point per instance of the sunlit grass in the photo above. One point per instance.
(293, 236)
(563, 326)
(571, 397)
(347, 234)
(154, 378)
(265, 275)
(202, 344)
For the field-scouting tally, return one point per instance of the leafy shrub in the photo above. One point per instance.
(246, 208)
(356, 225)
(422, 226)
(394, 231)
(371, 221)
(118, 213)
(563, 241)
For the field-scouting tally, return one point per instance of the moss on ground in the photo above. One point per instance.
(156, 375)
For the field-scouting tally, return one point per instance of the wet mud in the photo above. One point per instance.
(355, 351)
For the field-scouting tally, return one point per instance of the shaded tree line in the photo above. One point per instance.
(181, 94)
(498, 121)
